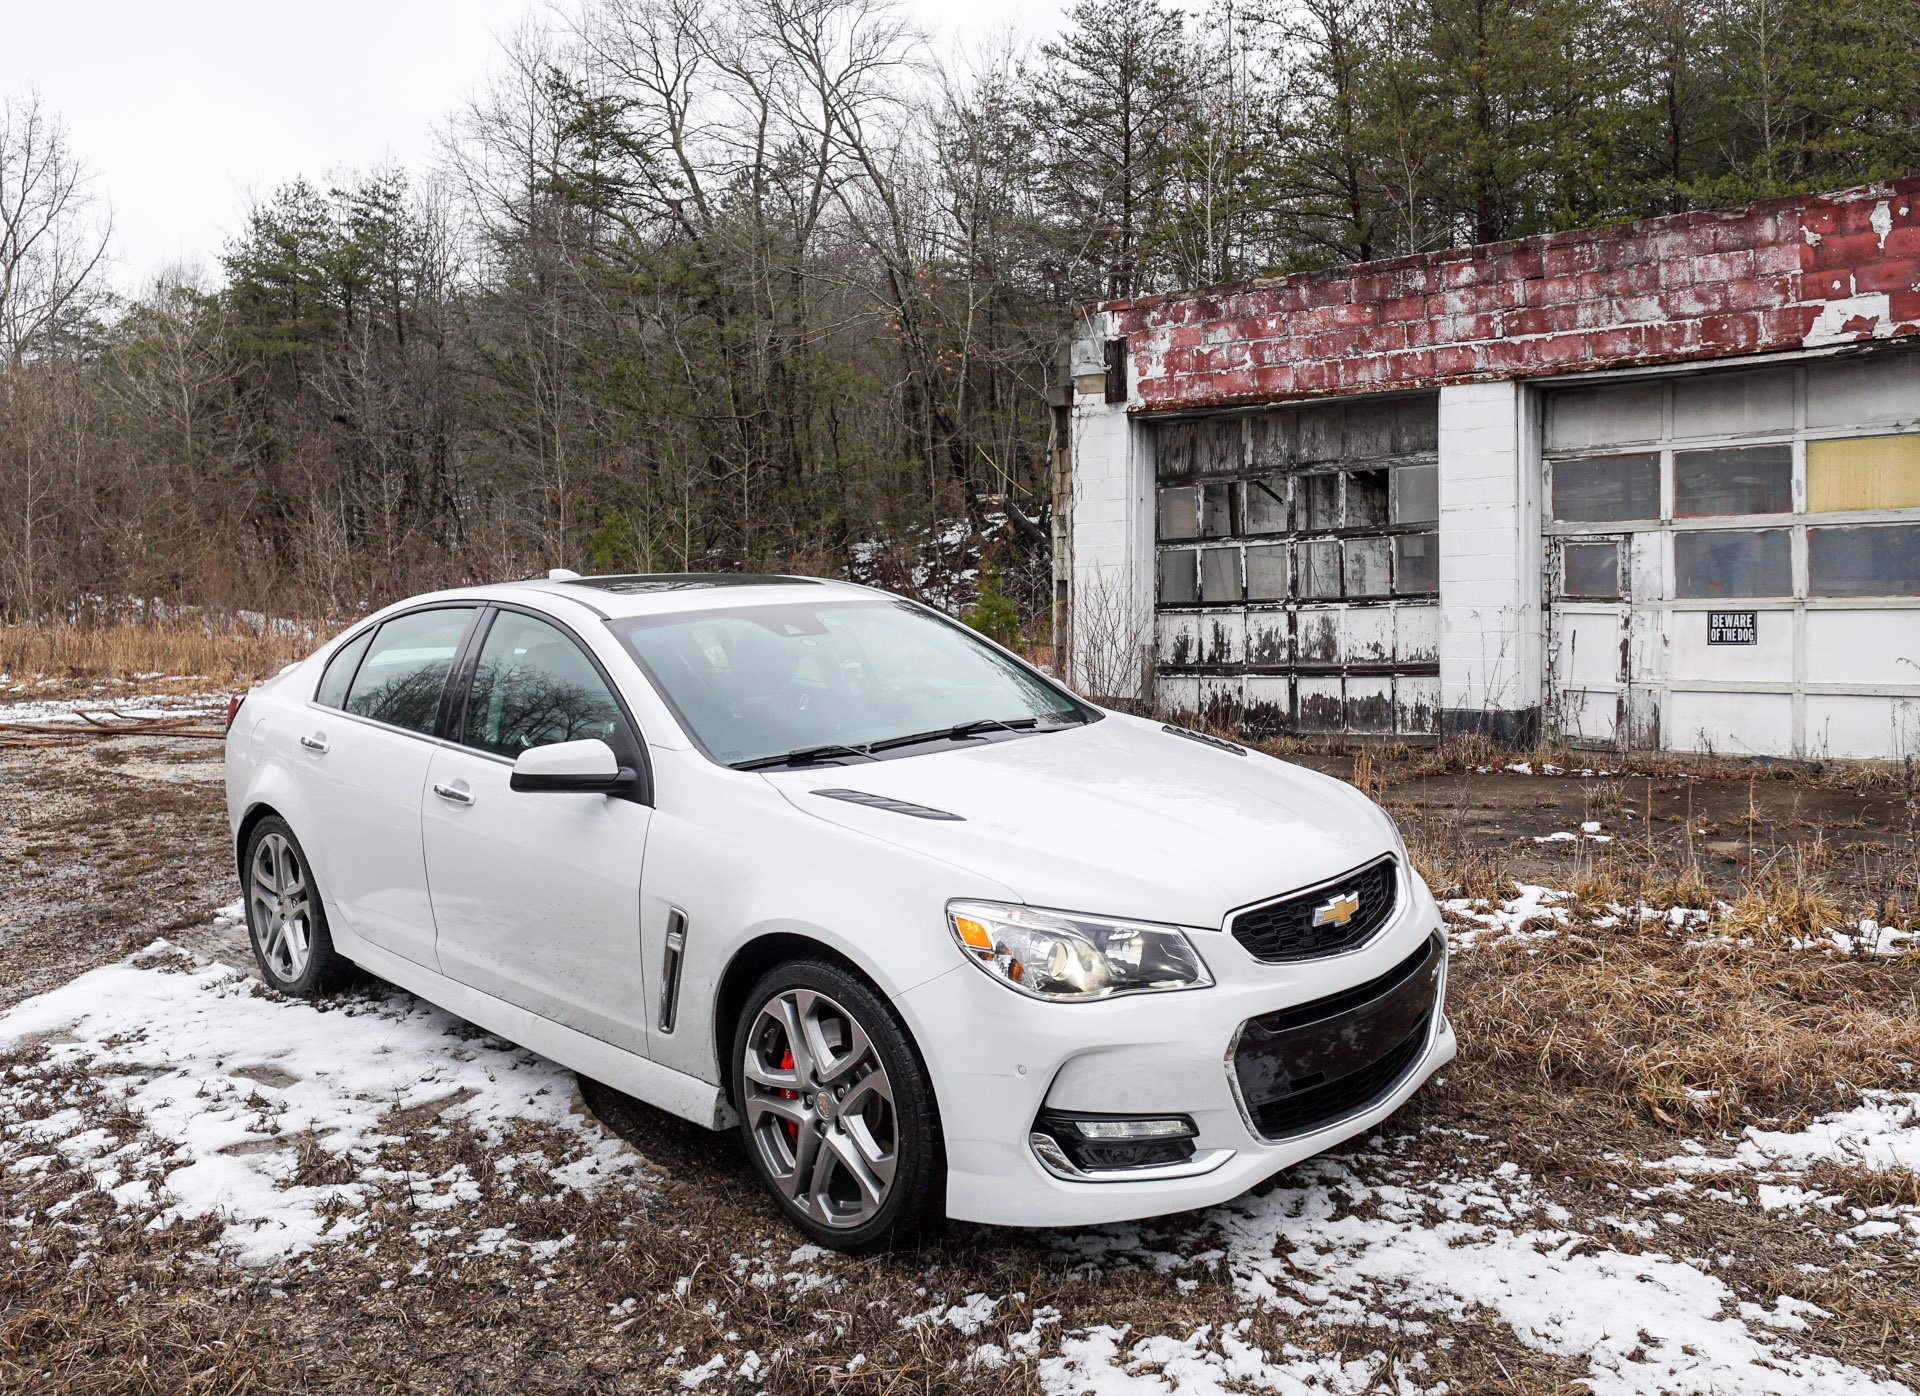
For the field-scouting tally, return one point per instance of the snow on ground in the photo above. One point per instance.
(221, 1087)
(109, 705)
(224, 1084)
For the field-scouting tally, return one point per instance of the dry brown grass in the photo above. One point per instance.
(225, 650)
(1695, 1035)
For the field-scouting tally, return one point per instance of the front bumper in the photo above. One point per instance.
(997, 1057)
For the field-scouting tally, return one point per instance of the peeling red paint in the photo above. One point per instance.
(1689, 287)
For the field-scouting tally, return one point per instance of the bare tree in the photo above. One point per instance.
(53, 233)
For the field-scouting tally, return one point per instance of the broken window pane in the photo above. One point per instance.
(1590, 570)
(1416, 494)
(1267, 572)
(1319, 502)
(1863, 472)
(1220, 574)
(1868, 560)
(1320, 569)
(1416, 567)
(1179, 576)
(1366, 560)
(1366, 498)
(1264, 505)
(1599, 488)
(1733, 480)
(1732, 562)
(1174, 450)
(1216, 510)
(1180, 511)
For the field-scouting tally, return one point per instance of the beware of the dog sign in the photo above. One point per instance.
(1731, 627)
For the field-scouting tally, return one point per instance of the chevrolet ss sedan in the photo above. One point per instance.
(801, 858)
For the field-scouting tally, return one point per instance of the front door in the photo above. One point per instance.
(367, 749)
(536, 895)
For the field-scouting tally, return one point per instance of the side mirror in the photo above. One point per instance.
(588, 765)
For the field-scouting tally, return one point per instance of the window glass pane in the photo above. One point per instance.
(1732, 562)
(1590, 570)
(1179, 509)
(401, 679)
(1320, 569)
(1267, 572)
(1220, 574)
(1416, 494)
(1216, 510)
(1366, 560)
(333, 684)
(1416, 566)
(1870, 560)
(1319, 501)
(1607, 487)
(533, 687)
(1179, 576)
(1264, 506)
(1863, 472)
(1366, 498)
(1733, 480)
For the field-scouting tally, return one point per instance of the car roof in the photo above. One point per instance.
(667, 593)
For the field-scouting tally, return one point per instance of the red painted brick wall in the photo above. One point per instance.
(1784, 274)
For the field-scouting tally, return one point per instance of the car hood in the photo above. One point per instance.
(1119, 817)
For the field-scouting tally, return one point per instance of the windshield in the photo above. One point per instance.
(761, 683)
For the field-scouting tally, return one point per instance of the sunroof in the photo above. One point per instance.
(684, 581)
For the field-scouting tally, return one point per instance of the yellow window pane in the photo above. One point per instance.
(1864, 472)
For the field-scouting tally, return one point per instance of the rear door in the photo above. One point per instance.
(536, 895)
(366, 748)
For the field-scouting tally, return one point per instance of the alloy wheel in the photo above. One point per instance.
(282, 918)
(820, 1108)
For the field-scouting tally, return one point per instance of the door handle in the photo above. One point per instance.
(315, 744)
(459, 795)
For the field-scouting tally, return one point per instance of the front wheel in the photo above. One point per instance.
(836, 1110)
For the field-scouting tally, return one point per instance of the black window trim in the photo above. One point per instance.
(460, 687)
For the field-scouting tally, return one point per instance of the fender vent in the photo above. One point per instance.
(887, 802)
(1220, 742)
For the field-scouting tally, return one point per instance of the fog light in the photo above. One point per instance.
(1111, 1143)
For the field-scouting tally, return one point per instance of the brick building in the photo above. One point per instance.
(1653, 485)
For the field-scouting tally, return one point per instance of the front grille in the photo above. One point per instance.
(1303, 1068)
(1284, 929)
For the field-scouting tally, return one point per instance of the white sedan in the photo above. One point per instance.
(936, 934)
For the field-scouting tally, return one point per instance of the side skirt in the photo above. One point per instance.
(673, 1091)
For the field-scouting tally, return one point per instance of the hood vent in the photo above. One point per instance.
(887, 802)
(1220, 742)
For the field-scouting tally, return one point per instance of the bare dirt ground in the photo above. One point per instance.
(1678, 1152)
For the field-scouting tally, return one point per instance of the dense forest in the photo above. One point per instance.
(711, 284)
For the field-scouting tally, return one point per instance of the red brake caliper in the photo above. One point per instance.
(786, 1064)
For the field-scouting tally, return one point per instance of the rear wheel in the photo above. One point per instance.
(286, 923)
(835, 1107)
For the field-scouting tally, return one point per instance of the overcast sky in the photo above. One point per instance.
(188, 109)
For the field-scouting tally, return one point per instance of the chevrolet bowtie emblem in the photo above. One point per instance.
(1337, 912)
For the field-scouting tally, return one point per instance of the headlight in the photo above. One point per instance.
(1054, 955)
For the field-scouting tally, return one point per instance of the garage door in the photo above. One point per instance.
(1298, 567)
(1733, 559)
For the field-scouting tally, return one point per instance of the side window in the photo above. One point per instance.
(533, 687)
(405, 671)
(333, 683)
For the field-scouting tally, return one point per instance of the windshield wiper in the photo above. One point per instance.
(958, 732)
(805, 756)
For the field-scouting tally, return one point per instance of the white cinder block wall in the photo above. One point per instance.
(1113, 553)
(1491, 650)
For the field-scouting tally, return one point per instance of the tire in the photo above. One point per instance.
(845, 1134)
(286, 921)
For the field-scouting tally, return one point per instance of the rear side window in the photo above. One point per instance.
(533, 687)
(333, 683)
(406, 668)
